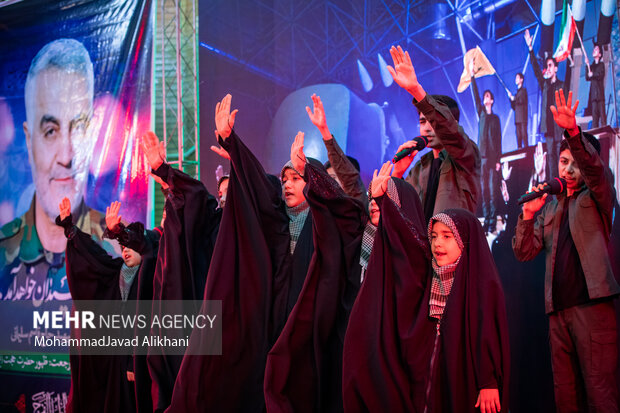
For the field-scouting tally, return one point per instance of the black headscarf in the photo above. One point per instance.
(251, 274)
(184, 256)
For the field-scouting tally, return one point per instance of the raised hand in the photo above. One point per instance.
(564, 114)
(529, 40)
(531, 207)
(317, 117)
(488, 401)
(404, 73)
(506, 171)
(378, 186)
(504, 189)
(298, 158)
(219, 173)
(401, 166)
(220, 151)
(112, 219)
(154, 150)
(472, 71)
(224, 120)
(540, 162)
(65, 208)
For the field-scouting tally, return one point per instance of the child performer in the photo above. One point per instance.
(109, 383)
(427, 335)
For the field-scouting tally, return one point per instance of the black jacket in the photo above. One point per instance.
(597, 86)
(520, 105)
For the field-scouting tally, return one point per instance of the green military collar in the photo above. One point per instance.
(20, 238)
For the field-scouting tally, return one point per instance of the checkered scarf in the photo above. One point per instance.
(371, 230)
(443, 277)
(297, 218)
(441, 284)
(126, 279)
(367, 243)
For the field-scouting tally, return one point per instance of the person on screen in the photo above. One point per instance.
(59, 104)
(596, 76)
(519, 104)
(549, 83)
(490, 144)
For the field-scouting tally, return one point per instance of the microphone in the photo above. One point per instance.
(554, 186)
(420, 143)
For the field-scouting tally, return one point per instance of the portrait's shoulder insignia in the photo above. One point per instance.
(10, 229)
(11, 235)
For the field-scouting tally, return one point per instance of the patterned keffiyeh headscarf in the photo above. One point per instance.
(297, 216)
(443, 276)
(371, 230)
(128, 274)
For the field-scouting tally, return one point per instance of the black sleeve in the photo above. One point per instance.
(190, 231)
(263, 196)
(330, 206)
(322, 190)
(597, 74)
(185, 190)
(131, 236)
(537, 71)
(474, 85)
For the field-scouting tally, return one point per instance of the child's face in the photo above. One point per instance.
(293, 188)
(374, 212)
(222, 191)
(443, 245)
(131, 257)
(569, 170)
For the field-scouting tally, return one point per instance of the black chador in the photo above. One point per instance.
(255, 275)
(189, 234)
(304, 367)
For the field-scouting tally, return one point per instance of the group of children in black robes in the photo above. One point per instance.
(326, 307)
